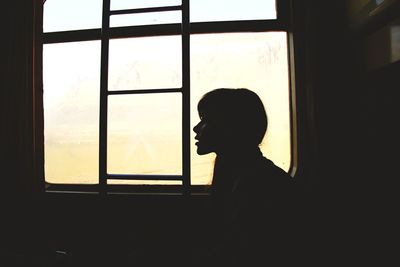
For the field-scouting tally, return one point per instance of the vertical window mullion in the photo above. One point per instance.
(186, 96)
(105, 39)
(283, 12)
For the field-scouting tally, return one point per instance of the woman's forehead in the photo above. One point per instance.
(202, 113)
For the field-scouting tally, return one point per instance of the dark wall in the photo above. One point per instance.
(353, 120)
(19, 195)
(327, 106)
(122, 230)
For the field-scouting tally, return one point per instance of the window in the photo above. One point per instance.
(122, 80)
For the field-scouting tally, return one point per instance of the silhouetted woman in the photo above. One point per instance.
(250, 195)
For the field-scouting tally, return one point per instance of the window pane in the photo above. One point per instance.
(145, 134)
(143, 182)
(145, 63)
(211, 10)
(64, 15)
(71, 111)
(257, 61)
(129, 4)
(145, 19)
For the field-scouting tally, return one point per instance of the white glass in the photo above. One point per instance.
(145, 63)
(129, 4)
(67, 15)
(145, 134)
(225, 10)
(257, 61)
(151, 18)
(71, 112)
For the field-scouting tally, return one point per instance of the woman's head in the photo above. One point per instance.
(230, 119)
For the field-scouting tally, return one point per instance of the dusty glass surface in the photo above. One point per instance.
(226, 10)
(129, 4)
(71, 111)
(257, 61)
(67, 15)
(71, 71)
(145, 63)
(145, 134)
(151, 18)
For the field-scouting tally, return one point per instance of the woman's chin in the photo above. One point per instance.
(202, 150)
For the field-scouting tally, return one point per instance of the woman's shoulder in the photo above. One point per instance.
(260, 176)
(267, 171)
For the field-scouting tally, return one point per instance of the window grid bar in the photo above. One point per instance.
(145, 91)
(71, 36)
(186, 96)
(293, 107)
(144, 10)
(145, 31)
(128, 188)
(283, 8)
(104, 97)
(144, 177)
(166, 29)
(237, 26)
(185, 90)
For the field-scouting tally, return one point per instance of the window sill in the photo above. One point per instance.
(133, 190)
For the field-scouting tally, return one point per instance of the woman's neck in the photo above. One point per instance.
(239, 154)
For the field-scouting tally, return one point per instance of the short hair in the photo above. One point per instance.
(240, 111)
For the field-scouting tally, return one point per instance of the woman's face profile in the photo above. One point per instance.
(231, 121)
(207, 136)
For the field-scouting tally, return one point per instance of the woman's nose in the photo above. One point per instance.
(195, 128)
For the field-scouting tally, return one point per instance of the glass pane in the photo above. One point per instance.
(129, 4)
(65, 15)
(145, 134)
(143, 182)
(145, 63)
(211, 10)
(257, 61)
(151, 18)
(71, 111)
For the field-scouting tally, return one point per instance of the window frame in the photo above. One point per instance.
(186, 29)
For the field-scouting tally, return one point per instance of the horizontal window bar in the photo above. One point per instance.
(166, 29)
(145, 193)
(145, 190)
(145, 91)
(117, 32)
(129, 189)
(144, 177)
(236, 26)
(132, 188)
(71, 36)
(145, 30)
(67, 191)
(144, 10)
(82, 188)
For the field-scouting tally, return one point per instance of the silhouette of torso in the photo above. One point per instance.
(252, 200)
